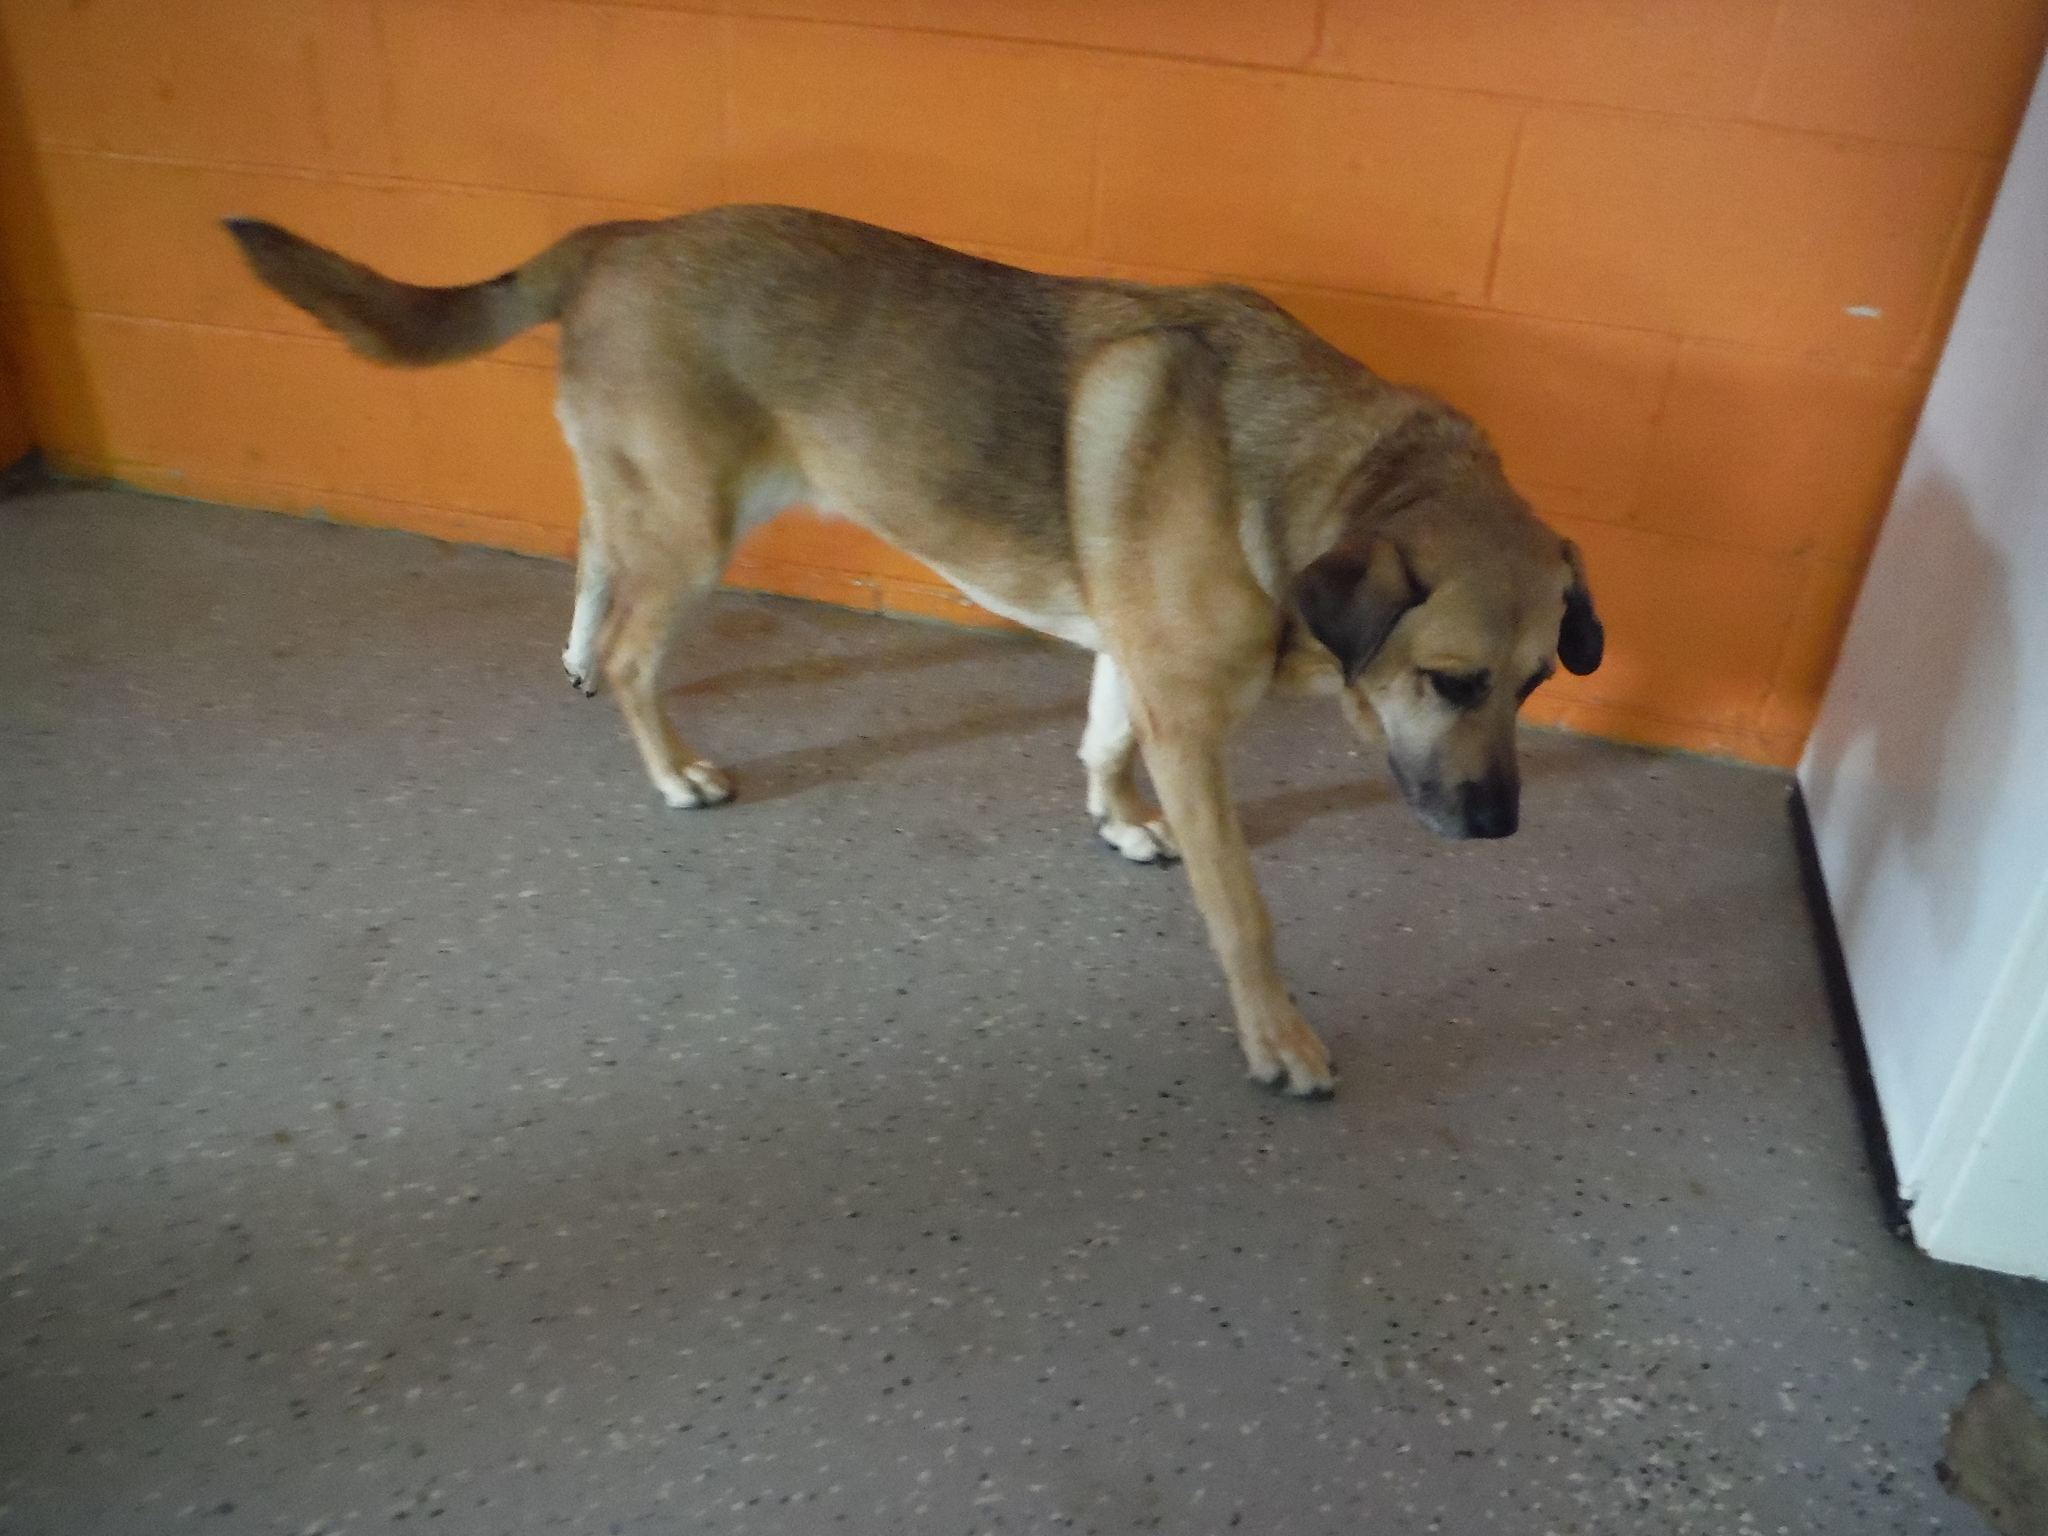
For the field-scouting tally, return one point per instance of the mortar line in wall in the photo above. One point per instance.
(123, 465)
(1842, 363)
(1838, 364)
(1621, 524)
(1666, 387)
(1062, 45)
(1983, 160)
(1763, 68)
(387, 108)
(1500, 217)
(1971, 218)
(333, 344)
(1774, 684)
(1739, 120)
(313, 338)
(1813, 559)
(727, 47)
(1915, 364)
(368, 180)
(1091, 232)
(1051, 44)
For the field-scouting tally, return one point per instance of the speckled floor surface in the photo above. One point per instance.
(403, 1118)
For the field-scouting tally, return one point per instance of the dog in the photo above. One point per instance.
(1185, 481)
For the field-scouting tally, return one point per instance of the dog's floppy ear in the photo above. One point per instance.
(1352, 598)
(1580, 638)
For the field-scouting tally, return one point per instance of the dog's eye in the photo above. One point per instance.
(1542, 676)
(1460, 690)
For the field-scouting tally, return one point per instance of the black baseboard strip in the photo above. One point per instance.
(1834, 968)
(30, 472)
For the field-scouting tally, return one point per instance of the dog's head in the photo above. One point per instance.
(1444, 616)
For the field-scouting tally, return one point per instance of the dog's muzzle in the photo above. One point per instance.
(1488, 807)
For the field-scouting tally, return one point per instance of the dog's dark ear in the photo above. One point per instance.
(1352, 598)
(1580, 638)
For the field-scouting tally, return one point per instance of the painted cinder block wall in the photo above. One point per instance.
(17, 433)
(1690, 261)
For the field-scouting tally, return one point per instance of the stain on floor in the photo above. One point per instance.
(1995, 1458)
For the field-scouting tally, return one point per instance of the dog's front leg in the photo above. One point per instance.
(1190, 637)
(1187, 767)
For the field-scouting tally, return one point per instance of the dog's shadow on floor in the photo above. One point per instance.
(808, 671)
(1267, 819)
(779, 775)
(782, 774)
(1275, 817)
(1272, 818)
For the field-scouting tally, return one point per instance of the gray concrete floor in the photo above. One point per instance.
(403, 1116)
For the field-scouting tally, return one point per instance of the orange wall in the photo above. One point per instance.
(17, 436)
(1689, 260)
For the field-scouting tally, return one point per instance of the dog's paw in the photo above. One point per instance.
(1310, 1087)
(1290, 1058)
(696, 784)
(1146, 842)
(582, 674)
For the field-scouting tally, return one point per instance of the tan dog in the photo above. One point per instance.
(1185, 481)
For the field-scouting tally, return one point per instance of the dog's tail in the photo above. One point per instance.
(393, 322)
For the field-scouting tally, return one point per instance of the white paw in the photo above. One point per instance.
(1289, 1056)
(697, 784)
(582, 673)
(1140, 842)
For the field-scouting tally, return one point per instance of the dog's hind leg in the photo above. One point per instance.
(653, 606)
(661, 536)
(593, 603)
(1109, 750)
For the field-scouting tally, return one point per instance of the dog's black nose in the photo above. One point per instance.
(1490, 809)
